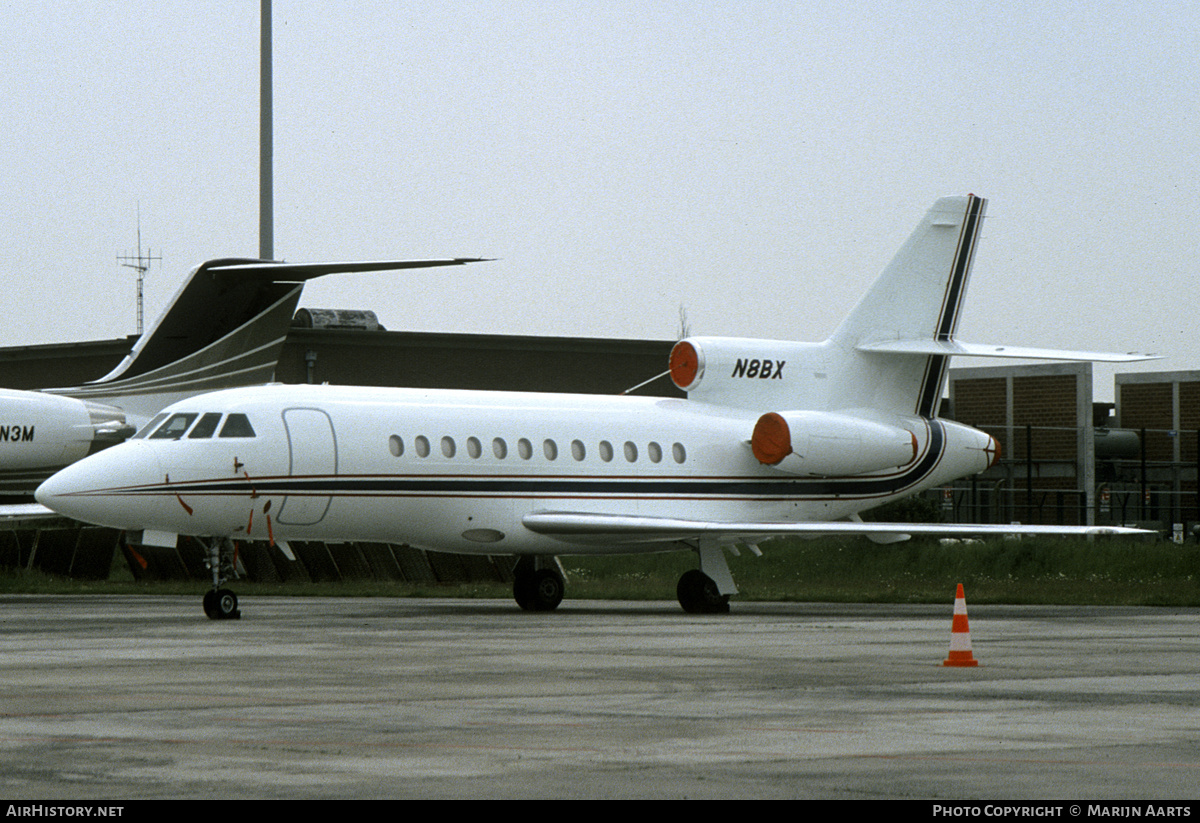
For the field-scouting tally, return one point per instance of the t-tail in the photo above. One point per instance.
(918, 297)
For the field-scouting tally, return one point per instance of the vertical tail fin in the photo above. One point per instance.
(912, 307)
(919, 296)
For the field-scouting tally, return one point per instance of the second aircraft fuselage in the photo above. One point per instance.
(458, 470)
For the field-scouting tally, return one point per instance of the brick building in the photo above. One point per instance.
(1163, 408)
(1042, 417)
(1067, 459)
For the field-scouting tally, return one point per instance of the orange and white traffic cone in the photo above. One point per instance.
(960, 634)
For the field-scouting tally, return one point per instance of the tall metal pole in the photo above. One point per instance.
(266, 226)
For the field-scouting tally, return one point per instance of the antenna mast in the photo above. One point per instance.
(140, 263)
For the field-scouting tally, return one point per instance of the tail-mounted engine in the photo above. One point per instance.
(46, 431)
(741, 371)
(829, 444)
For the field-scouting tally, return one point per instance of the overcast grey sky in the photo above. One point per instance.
(757, 162)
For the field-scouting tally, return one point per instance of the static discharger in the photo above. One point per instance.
(960, 634)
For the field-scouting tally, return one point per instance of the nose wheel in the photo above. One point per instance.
(219, 602)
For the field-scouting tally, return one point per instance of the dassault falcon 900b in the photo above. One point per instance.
(774, 438)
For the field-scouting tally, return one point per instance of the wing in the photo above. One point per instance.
(27, 511)
(587, 528)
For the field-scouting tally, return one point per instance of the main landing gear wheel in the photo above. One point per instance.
(221, 604)
(539, 591)
(698, 594)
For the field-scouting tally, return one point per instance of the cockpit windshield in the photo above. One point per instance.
(174, 428)
(149, 427)
(237, 425)
(176, 425)
(206, 426)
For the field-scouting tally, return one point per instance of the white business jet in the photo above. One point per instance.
(774, 438)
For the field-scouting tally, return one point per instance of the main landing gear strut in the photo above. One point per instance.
(220, 603)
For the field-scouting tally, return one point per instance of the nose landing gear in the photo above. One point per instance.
(220, 603)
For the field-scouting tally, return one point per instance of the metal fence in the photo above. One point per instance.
(1146, 477)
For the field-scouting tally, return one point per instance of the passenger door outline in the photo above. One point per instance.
(312, 455)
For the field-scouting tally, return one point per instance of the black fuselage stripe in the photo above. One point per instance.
(415, 486)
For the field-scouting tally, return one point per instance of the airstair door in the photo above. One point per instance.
(312, 445)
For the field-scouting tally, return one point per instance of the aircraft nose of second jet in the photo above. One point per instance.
(103, 488)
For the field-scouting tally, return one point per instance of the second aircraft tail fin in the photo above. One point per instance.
(225, 327)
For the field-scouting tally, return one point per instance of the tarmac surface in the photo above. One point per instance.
(115, 697)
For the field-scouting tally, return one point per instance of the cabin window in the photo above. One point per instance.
(149, 427)
(474, 448)
(206, 427)
(630, 451)
(550, 449)
(499, 448)
(237, 425)
(654, 452)
(524, 448)
(606, 451)
(174, 428)
(577, 450)
(448, 447)
(679, 453)
(395, 445)
(422, 445)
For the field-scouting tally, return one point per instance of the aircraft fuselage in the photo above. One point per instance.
(457, 471)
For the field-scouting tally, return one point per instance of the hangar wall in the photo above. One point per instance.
(483, 362)
(383, 358)
(60, 364)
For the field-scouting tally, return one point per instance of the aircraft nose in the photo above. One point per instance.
(102, 489)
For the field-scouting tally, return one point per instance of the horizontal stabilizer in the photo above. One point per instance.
(583, 527)
(953, 347)
(297, 272)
